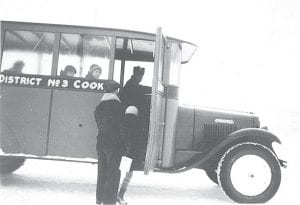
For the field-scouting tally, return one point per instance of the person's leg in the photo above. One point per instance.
(123, 187)
(101, 177)
(112, 178)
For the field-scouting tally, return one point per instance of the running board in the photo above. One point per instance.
(54, 158)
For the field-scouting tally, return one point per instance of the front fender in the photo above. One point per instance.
(256, 135)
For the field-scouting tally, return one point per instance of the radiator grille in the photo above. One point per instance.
(215, 133)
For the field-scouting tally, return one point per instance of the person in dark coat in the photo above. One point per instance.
(130, 132)
(110, 145)
(134, 94)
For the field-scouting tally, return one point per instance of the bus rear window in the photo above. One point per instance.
(27, 52)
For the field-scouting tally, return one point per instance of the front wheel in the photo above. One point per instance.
(10, 164)
(212, 175)
(249, 173)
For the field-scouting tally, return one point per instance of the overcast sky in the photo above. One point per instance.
(249, 51)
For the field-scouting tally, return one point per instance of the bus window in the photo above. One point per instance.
(27, 52)
(134, 52)
(85, 53)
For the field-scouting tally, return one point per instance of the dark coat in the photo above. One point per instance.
(108, 115)
(134, 94)
(131, 133)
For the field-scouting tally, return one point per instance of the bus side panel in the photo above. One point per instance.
(73, 129)
(24, 120)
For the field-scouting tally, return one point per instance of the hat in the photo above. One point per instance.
(111, 86)
(137, 70)
(95, 67)
(132, 110)
(70, 68)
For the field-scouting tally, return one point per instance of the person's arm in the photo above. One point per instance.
(146, 89)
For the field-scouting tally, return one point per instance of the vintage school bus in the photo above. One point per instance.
(45, 115)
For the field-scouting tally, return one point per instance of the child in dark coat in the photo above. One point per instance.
(130, 132)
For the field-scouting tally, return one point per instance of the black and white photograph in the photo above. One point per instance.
(145, 102)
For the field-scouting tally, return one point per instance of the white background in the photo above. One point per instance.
(248, 56)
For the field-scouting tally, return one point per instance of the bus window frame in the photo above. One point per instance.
(84, 30)
(57, 30)
(1, 42)
(111, 55)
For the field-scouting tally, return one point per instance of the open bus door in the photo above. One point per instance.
(157, 113)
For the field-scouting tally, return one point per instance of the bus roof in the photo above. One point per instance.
(188, 49)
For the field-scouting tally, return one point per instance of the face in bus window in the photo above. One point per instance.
(94, 72)
(69, 71)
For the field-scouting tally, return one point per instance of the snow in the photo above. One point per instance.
(54, 182)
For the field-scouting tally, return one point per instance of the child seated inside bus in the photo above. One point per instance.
(17, 68)
(69, 71)
(94, 72)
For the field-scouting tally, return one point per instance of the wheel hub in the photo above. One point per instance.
(250, 175)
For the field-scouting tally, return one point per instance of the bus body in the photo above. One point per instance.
(45, 115)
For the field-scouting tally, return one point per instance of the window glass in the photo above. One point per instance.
(117, 71)
(27, 52)
(175, 64)
(84, 56)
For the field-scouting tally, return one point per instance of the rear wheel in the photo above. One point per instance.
(10, 164)
(249, 173)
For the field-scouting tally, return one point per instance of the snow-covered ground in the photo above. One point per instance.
(53, 182)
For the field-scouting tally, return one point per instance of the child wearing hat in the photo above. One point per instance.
(130, 132)
(94, 72)
(69, 71)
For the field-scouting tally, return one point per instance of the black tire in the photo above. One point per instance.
(10, 164)
(212, 175)
(226, 173)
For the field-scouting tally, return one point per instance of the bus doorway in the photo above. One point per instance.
(136, 55)
(150, 56)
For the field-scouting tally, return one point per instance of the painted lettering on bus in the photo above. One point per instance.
(79, 84)
(51, 82)
(20, 80)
